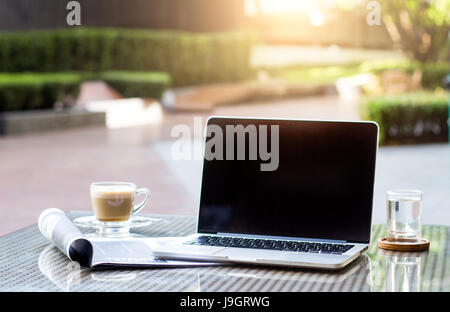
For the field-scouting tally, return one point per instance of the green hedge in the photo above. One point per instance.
(36, 91)
(409, 118)
(26, 91)
(432, 73)
(189, 58)
(137, 84)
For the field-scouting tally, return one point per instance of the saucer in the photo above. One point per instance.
(136, 221)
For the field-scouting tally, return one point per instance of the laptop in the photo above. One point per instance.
(283, 192)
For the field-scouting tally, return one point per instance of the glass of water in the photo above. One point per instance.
(404, 209)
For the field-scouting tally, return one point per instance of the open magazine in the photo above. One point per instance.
(92, 253)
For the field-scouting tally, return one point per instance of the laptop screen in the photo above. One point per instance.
(291, 178)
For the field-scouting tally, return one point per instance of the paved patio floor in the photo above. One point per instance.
(55, 169)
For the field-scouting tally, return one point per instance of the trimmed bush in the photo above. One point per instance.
(409, 118)
(27, 91)
(36, 90)
(137, 84)
(189, 58)
(433, 74)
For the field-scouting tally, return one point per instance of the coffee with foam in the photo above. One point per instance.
(113, 202)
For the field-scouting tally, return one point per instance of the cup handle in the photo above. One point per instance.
(139, 207)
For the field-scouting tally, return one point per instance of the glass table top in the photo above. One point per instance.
(28, 262)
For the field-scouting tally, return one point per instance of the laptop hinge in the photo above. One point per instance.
(207, 232)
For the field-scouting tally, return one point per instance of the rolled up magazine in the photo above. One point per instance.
(91, 252)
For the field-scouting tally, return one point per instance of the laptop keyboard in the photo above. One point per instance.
(220, 241)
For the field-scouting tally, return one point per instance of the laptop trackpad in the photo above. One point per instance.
(252, 255)
(249, 254)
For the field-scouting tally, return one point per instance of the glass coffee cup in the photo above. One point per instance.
(113, 205)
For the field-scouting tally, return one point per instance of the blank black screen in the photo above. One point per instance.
(323, 186)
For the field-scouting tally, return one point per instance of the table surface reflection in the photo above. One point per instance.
(28, 262)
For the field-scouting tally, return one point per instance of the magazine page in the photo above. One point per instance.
(133, 253)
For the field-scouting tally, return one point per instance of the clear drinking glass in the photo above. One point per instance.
(404, 210)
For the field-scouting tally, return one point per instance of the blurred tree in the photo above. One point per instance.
(420, 27)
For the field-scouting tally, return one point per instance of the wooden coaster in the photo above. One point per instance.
(423, 244)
